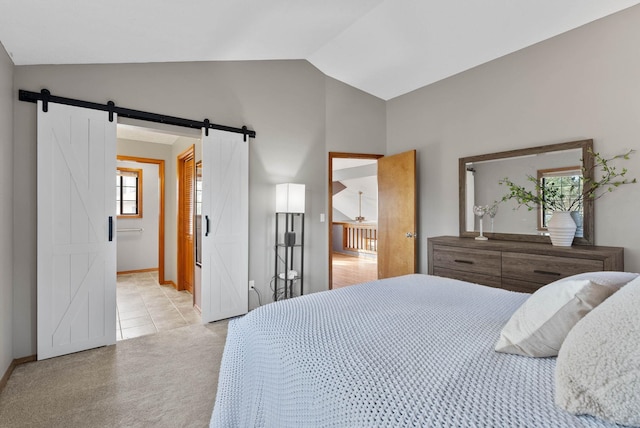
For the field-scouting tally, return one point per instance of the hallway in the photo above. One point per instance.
(349, 270)
(146, 307)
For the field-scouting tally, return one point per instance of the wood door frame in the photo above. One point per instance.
(160, 163)
(332, 156)
(187, 153)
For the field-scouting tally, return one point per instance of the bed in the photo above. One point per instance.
(411, 351)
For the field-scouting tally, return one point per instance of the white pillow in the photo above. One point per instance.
(540, 325)
(598, 367)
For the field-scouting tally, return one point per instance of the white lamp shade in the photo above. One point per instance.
(290, 198)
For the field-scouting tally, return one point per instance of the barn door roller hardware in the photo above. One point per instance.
(46, 98)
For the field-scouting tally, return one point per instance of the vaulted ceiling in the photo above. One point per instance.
(384, 47)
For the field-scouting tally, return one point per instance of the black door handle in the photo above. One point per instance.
(110, 228)
(206, 225)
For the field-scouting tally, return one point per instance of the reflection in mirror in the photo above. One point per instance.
(485, 176)
(555, 165)
(562, 181)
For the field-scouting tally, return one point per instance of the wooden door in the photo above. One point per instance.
(225, 225)
(76, 267)
(397, 240)
(186, 226)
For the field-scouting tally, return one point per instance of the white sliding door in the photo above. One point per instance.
(225, 225)
(76, 256)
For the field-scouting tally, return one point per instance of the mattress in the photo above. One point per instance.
(411, 351)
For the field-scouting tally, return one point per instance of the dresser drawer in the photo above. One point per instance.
(467, 259)
(476, 278)
(542, 269)
(521, 286)
(514, 265)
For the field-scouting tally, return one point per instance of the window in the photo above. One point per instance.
(566, 182)
(129, 193)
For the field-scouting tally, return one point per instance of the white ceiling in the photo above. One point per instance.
(383, 47)
(150, 135)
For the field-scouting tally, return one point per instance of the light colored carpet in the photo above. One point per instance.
(168, 379)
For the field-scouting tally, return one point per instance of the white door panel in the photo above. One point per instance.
(76, 261)
(225, 225)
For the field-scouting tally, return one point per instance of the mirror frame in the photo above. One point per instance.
(587, 163)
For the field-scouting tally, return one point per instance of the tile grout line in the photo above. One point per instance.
(119, 326)
(138, 295)
(147, 294)
(176, 308)
(146, 308)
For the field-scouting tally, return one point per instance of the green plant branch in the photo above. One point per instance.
(552, 198)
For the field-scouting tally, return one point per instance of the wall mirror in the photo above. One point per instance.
(479, 178)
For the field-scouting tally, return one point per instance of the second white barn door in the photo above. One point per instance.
(225, 225)
(76, 265)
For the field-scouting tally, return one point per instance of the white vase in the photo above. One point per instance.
(577, 217)
(561, 228)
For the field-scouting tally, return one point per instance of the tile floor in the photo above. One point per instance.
(146, 307)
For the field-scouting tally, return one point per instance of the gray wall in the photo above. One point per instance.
(6, 210)
(298, 113)
(581, 84)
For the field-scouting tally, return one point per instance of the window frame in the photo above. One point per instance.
(567, 171)
(138, 189)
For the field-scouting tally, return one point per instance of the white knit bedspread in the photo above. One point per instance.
(412, 351)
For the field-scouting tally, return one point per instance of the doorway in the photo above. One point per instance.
(150, 180)
(147, 295)
(353, 231)
(77, 224)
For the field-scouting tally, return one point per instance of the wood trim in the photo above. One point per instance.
(15, 363)
(126, 272)
(171, 283)
(187, 154)
(332, 156)
(138, 194)
(160, 163)
(587, 160)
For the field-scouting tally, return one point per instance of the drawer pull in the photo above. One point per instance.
(545, 272)
(468, 262)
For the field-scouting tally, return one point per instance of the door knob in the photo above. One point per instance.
(411, 235)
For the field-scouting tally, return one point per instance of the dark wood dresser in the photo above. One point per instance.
(517, 266)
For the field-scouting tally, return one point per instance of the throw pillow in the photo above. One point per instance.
(540, 325)
(598, 367)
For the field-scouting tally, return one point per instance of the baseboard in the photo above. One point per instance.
(16, 362)
(126, 272)
(171, 283)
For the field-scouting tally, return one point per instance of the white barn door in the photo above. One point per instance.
(76, 248)
(225, 225)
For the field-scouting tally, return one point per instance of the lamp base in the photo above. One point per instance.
(289, 239)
